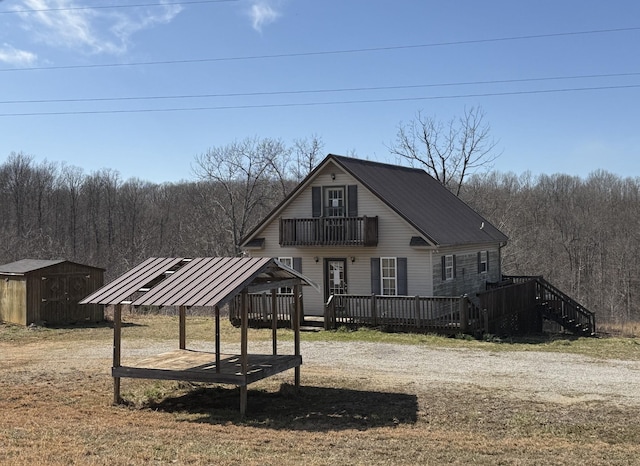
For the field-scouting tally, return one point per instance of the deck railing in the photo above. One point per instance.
(449, 315)
(329, 231)
(261, 309)
(518, 303)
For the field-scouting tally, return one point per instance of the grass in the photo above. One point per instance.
(52, 414)
(201, 328)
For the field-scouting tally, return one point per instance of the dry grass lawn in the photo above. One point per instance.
(57, 410)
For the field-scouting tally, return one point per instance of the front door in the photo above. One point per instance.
(335, 275)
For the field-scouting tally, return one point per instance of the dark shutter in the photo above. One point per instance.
(402, 276)
(352, 200)
(444, 267)
(454, 266)
(316, 201)
(297, 264)
(487, 253)
(480, 262)
(375, 275)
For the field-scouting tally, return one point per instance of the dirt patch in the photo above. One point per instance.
(360, 403)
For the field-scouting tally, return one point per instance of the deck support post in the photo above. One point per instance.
(117, 338)
(374, 309)
(217, 312)
(274, 320)
(296, 330)
(464, 314)
(182, 324)
(244, 356)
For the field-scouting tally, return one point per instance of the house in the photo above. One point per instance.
(48, 291)
(358, 227)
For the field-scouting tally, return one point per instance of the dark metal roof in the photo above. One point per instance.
(27, 265)
(422, 201)
(438, 214)
(202, 281)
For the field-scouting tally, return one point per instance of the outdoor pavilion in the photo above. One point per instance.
(203, 282)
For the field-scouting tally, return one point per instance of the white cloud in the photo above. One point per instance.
(13, 56)
(262, 14)
(94, 31)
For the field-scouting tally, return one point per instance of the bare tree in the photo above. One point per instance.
(307, 154)
(242, 169)
(448, 151)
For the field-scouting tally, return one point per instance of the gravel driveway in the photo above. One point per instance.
(532, 375)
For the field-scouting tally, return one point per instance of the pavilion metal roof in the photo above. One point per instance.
(200, 281)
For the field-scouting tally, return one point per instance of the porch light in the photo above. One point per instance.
(353, 259)
(316, 259)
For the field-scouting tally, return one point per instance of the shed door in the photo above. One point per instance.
(60, 295)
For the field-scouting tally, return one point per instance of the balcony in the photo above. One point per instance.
(329, 231)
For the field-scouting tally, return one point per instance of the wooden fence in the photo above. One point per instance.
(511, 309)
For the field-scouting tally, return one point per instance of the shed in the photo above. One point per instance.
(48, 291)
(203, 282)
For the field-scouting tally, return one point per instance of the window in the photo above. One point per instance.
(334, 205)
(449, 267)
(288, 261)
(389, 275)
(483, 261)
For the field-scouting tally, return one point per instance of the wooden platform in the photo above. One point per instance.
(200, 366)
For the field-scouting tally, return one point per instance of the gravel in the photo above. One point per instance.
(532, 375)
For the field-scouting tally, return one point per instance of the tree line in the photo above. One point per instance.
(580, 234)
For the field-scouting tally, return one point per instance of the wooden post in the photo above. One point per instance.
(374, 310)
(464, 315)
(485, 314)
(265, 308)
(217, 340)
(274, 320)
(417, 309)
(183, 331)
(244, 356)
(296, 330)
(117, 336)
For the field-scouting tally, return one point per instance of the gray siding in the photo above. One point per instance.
(467, 281)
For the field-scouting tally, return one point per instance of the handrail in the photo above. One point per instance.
(581, 314)
(570, 309)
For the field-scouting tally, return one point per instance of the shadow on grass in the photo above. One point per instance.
(92, 325)
(306, 408)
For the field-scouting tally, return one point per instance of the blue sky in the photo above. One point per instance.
(420, 55)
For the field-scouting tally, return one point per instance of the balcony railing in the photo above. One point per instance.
(329, 231)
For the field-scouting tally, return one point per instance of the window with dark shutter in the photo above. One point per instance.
(316, 201)
(402, 276)
(448, 267)
(352, 200)
(375, 275)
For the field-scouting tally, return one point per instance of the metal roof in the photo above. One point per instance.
(423, 201)
(25, 266)
(201, 281)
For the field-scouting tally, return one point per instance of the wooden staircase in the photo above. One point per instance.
(556, 306)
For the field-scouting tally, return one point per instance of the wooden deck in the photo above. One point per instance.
(200, 366)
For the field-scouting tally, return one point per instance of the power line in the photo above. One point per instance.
(310, 104)
(326, 52)
(316, 91)
(105, 7)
